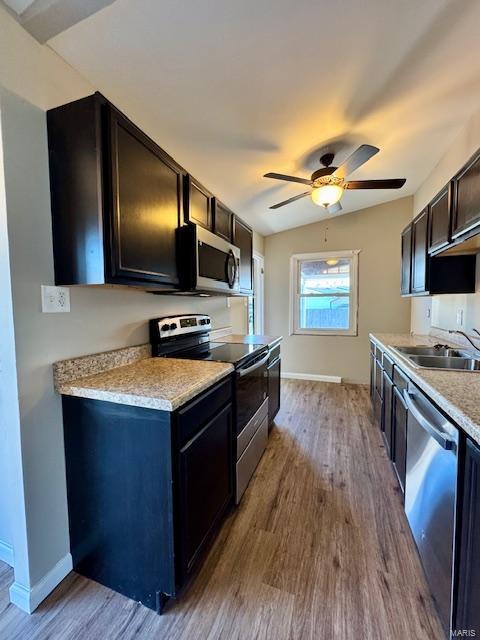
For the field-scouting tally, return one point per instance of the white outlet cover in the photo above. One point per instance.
(460, 318)
(55, 299)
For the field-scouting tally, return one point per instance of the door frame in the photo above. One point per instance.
(259, 293)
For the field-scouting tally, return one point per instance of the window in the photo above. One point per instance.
(324, 293)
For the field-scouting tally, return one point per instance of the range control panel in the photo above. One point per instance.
(170, 326)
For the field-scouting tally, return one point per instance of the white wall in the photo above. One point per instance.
(12, 524)
(444, 308)
(376, 232)
(100, 319)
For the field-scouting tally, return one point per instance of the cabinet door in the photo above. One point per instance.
(146, 206)
(466, 209)
(372, 376)
(419, 253)
(440, 220)
(467, 610)
(273, 390)
(198, 204)
(243, 239)
(406, 265)
(222, 221)
(205, 486)
(399, 433)
(387, 413)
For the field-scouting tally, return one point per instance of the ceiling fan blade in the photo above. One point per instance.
(334, 208)
(392, 183)
(281, 204)
(358, 157)
(281, 176)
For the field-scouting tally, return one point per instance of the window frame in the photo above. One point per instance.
(295, 295)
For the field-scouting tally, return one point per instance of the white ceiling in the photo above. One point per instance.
(18, 6)
(233, 89)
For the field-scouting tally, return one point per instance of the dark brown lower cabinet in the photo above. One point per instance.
(372, 376)
(467, 609)
(399, 430)
(273, 389)
(205, 486)
(387, 422)
(147, 490)
(378, 394)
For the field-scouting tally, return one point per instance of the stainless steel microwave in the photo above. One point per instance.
(207, 263)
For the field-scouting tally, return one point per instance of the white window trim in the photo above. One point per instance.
(295, 259)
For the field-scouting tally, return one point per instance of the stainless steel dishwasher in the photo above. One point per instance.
(430, 494)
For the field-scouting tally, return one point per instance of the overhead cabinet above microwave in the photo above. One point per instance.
(117, 199)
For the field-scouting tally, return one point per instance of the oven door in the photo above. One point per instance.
(217, 263)
(251, 390)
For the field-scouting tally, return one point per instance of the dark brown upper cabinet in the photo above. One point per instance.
(466, 200)
(419, 277)
(422, 274)
(243, 239)
(198, 203)
(117, 199)
(406, 257)
(440, 208)
(147, 196)
(222, 221)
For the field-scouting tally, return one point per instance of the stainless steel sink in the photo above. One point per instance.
(446, 362)
(432, 351)
(441, 357)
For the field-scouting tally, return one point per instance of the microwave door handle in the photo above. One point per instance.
(257, 365)
(231, 273)
(442, 438)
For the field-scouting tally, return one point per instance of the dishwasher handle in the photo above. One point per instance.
(443, 439)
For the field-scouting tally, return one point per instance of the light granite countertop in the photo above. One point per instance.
(456, 392)
(154, 383)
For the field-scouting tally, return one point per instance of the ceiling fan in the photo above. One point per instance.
(328, 183)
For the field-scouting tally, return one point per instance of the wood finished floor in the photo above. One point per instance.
(319, 549)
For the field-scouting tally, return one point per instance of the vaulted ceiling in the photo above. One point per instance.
(235, 89)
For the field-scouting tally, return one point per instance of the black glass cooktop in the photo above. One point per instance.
(234, 354)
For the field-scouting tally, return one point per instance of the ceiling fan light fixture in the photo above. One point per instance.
(327, 194)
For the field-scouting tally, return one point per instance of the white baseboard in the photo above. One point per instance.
(311, 376)
(28, 599)
(6, 553)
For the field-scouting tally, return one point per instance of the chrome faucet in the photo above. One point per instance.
(465, 335)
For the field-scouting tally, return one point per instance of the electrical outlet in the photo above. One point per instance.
(55, 299)
(459, 317)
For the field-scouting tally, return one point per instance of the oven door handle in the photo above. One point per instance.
(442, 438)
(257, 365)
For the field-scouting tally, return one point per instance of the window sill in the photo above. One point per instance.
(324, 332)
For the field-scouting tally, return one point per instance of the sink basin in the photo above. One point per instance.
(431, 351)
(446, 362)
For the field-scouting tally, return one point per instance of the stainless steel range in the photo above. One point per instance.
(188, 336)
